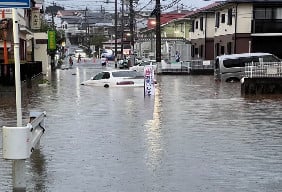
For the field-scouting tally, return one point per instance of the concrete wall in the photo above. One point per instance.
(40, 51)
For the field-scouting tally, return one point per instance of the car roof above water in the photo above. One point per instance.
(234, 56)
(124, 73)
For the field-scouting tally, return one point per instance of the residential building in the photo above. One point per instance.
(174, 33)
(237, 26)
(202, 32)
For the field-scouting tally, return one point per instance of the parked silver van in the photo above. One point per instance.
(231, 67)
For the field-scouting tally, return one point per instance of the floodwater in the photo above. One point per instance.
(195, 135)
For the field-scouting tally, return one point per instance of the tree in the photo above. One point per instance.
(53, 9)
(97, 40)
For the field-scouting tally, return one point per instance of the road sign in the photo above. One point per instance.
(15, 4)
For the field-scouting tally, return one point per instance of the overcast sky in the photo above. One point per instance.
(145, 5)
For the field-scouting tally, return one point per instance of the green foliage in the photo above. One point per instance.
(53, 9)
(98, 40)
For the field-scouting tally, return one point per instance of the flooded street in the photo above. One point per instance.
(196, 135)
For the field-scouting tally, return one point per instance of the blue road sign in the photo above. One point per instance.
(14, 3)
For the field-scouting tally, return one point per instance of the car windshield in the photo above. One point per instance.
(126, 74)
(102, 75)
(145, 63)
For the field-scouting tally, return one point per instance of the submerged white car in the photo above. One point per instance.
(116, 78)
(140, 66)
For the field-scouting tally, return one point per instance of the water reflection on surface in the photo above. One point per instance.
(195, 135)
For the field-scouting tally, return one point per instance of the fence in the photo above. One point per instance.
(263, 69)
(189, 67)
(183, 67)
(28, 71)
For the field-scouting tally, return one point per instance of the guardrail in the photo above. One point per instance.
(20, 142)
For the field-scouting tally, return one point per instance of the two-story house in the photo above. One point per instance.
(174, 33)
(237, 26)
(202, 32)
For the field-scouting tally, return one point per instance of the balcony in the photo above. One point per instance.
(267, 26)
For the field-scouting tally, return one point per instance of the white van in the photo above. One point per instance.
(231, 67)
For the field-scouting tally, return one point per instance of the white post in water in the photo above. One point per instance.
(19, 182)
(18, 145)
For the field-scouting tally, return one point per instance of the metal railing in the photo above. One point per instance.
(263, 69)
(201, 64)
(187, 66)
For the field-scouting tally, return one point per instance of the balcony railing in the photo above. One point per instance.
(267, 26)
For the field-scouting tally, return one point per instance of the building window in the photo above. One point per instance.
(217, 49)
(197, 25)
(201, 23)
(193, 26)
(229, 47)
(182, 27)
(217, 19)
(277, 13)
(196, 51)
(222, 50)
(263, 13)
(229, 19)
(201, 50)
(222, 18)
(193, 50)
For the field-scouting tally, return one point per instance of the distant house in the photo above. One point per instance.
(79, 25)
(174, 36)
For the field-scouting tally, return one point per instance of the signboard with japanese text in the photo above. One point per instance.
(149, 81)
(35, 19)
(15, 4)
(51, 40)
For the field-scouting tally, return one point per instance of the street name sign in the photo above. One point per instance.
(14, 3)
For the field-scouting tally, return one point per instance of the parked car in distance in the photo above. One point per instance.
(122, 64)
(140, 67)
(116, 78)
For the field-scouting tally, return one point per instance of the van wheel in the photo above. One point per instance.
(106, 86)
(232, 80)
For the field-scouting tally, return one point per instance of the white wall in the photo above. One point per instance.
(245, 17)
(40, 53)
(244, 20)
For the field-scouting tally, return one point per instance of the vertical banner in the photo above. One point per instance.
(35, 19)
(51, 40)
(149, 80)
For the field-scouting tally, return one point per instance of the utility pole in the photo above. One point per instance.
(131, 25)
(116, 30)
(122, 28)
(87, 42)
(158, 35)
(52, 53)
